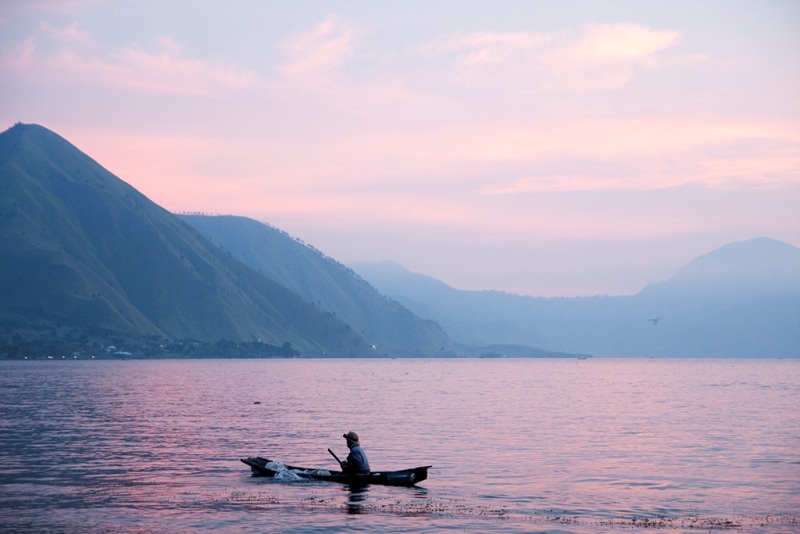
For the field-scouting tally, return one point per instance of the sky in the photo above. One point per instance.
(546, 148)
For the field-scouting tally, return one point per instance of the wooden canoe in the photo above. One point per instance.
(262, 467)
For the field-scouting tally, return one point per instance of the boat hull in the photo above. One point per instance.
(405, 477)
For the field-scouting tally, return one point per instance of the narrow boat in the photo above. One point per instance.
(262, 467)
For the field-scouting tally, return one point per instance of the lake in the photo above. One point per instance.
(540, 445)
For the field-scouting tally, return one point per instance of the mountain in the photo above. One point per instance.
(327, 283)
(741, 300)
(82, 252)
(757, 266)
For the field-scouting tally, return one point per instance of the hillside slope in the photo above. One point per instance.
(80, 249)
(326, 283)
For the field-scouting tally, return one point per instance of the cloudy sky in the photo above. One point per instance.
(538, 147)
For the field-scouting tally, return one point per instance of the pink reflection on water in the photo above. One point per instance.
(591, 443)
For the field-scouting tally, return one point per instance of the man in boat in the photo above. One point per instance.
(357, 460)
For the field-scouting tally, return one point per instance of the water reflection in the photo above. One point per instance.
(155, 446)
(408, 502)
(356, 498)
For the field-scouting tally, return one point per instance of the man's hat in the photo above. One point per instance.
(350, 436)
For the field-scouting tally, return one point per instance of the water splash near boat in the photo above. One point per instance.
(284, 474)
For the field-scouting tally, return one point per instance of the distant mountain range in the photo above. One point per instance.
(85, 258)
(741, 300)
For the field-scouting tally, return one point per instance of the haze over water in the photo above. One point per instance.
(516, 445)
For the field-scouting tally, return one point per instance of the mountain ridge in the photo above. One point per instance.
(81, 248)
(82, 253)
(703, 310)
(327, 283)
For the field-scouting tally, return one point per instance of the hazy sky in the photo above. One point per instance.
(538, 147)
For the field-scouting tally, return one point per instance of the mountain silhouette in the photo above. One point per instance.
(741, 300)
(83, 254)
(81, 251)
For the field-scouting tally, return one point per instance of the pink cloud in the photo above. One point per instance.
(592, 58)
(599, 44)
(22, 58)
(77, 62)
(71, 35)
(319, 51)
(170, 71)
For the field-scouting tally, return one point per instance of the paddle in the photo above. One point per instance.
(337, 458)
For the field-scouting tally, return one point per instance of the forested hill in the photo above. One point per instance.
(85, 255)
(327, 283)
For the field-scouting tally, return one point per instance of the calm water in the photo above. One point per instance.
(517, 445)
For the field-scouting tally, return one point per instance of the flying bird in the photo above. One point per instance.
(655, 320)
